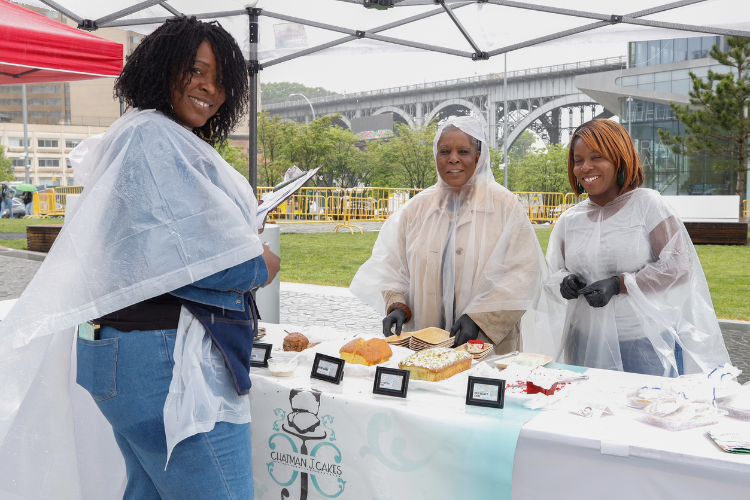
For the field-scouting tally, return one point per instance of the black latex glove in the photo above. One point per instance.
(396, 317)
(464, 329)
(600, 293)
(571, 286)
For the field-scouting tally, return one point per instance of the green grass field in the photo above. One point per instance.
(19, 226)
(333, 259)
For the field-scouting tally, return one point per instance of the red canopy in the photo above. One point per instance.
(35, 48)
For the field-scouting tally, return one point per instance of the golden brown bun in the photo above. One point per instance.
(372, 352)
(295, 342)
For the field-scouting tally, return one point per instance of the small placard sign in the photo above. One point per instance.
(485, 392)
(260, 354)
(391, 382)
(328, 368)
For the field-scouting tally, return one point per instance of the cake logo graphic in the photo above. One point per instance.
(302, 448)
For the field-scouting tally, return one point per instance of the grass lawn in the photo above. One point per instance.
(333, 259)
(19, 226)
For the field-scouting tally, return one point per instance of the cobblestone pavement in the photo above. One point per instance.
(334, 307)
(738, 345)
(340, 312)
(15, 274)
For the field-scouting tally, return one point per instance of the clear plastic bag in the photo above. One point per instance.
(738, 406)
(201, 392)
(676, 414)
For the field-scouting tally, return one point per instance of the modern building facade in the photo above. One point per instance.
(657, 74)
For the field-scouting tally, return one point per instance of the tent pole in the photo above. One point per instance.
(253, 69)
(27, 176)
(505, 121)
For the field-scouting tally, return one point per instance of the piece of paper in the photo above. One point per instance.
(275, 198)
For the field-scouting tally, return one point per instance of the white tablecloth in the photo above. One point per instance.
(558, 454)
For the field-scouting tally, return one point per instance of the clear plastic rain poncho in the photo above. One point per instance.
(453, 251)
(639, 236)
(160, 209)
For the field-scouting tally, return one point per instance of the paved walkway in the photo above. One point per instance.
(336, 307)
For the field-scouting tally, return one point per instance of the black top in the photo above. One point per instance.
(159, 313)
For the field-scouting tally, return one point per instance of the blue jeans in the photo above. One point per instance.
(128, 375)
(639, 356)
(9, 205)
(29, 208)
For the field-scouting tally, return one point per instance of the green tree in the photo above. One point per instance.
(524, 143)
(716, 120)
(541, 170)
(235, 156)
(279, 91)
(272, 140)
(307, 145)
(409, 156)
(6, 167)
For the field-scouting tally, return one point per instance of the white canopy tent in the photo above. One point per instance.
(271, 32)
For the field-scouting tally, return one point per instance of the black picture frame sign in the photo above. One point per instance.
(391, 382)
(488, 392)
(260, 354)
(328, 368)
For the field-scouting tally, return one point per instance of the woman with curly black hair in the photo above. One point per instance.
(155, 265)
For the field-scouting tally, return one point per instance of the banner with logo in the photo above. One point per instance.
(326, 441)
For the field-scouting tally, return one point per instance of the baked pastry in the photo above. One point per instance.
(438, 363)
(474, 346)
(295, 342)
(371, 352)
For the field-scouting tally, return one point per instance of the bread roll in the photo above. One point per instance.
(295, 342)
(372, 352)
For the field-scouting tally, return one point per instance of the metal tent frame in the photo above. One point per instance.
(446, 7)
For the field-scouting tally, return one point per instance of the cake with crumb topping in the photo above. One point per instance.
(438, 363)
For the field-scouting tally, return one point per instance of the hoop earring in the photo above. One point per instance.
(580, 188)
(207, 139)
(621, 178)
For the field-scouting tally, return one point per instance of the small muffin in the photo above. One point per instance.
(295, 342)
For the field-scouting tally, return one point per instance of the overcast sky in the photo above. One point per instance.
(364, 67)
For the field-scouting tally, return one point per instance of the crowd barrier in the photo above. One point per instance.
(344, 206)
(341, 206)
(746, 208)
(51, 202)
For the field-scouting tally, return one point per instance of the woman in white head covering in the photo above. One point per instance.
(461, 255)
(635, 295)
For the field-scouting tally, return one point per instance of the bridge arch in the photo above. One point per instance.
(343, 119)
(560, 102)
(400, 112)
(457, 102)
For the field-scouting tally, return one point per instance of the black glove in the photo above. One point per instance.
(396, 317)
(600, 293)
(466, 328)
(571, 286)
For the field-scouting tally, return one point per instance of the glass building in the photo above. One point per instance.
(657, 74)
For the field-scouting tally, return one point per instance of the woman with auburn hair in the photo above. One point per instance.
(635, 295)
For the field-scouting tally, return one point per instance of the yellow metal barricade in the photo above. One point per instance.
(46, 205)
(542, 207)
(346, 206)
(746, 208)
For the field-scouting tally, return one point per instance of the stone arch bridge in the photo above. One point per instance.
(539, 99)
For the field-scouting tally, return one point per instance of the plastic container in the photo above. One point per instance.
(280, 367)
